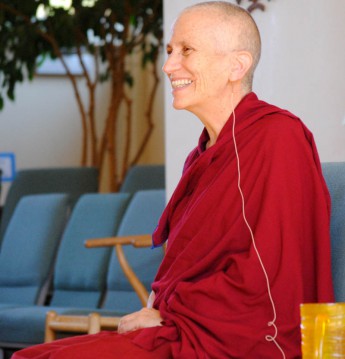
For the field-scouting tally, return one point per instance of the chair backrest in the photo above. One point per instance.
(29, 248)
(0, 184)
(80, 273)
(141, 217)
(72, 180)
(144, 177)
(334, 173)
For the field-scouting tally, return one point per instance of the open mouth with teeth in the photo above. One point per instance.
(180, 83)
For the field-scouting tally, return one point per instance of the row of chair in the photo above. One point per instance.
(45, 266)
(75, 181)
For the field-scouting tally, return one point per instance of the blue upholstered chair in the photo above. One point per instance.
(79, 274)
(141, 217)
(334, 173)
(72, 180)
(0, 190)
(29, 248)
(144, 177)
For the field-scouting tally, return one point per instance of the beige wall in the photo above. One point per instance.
(42, 127)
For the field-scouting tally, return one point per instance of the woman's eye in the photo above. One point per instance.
(186, 50)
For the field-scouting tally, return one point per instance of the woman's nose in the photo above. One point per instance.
(172, 64)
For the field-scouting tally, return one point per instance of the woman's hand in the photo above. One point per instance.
(145, 318)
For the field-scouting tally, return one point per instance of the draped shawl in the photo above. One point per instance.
(211, 289)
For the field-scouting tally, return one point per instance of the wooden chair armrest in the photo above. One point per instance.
(91, 324)
(109, 322)
(139, 241)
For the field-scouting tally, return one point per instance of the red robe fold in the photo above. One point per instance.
(211, 289)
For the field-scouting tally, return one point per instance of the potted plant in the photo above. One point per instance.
(110, 31)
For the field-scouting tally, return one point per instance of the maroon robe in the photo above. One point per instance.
(210, 289)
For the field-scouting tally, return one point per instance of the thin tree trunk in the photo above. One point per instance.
(128, 137)
(148, 114)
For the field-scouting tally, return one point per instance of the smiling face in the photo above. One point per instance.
(199, 62)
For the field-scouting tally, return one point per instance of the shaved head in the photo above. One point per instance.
(237, 31)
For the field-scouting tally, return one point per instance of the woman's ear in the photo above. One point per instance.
(241, 63)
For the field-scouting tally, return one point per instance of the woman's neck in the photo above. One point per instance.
(215, 120)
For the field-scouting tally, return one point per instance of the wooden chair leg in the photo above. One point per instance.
(49, 331)
(94, 323)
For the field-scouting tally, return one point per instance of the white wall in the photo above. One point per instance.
(301, 69)
(42, 126)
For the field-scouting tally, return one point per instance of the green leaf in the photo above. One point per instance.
(24, 38)
(10, 93)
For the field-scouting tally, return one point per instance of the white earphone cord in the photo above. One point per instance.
(269, 338)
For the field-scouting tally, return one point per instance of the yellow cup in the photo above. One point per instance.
(323, 330)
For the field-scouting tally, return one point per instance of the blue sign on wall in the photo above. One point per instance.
(7, 166)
